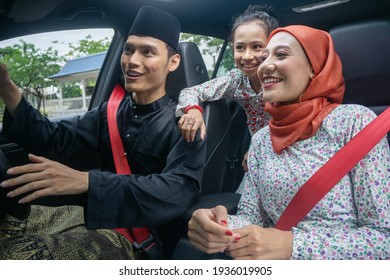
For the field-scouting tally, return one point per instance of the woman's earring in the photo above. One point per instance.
(300, 99)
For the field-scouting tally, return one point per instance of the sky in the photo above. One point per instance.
(44, 40)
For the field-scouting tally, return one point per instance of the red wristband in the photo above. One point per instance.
(189, 107)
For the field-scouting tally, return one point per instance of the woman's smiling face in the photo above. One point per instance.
(285, 71)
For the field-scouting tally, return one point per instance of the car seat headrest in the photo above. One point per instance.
(364, 49)
(191, 71)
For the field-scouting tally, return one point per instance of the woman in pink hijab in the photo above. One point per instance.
(303, 86)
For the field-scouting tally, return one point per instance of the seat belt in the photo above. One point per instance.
(234, 168)
(333, 171)
(139, 237)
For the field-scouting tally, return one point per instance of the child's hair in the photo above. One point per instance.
(264, 14)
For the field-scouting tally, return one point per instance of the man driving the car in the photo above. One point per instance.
(165, 170)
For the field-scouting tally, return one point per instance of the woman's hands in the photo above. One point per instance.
(208, 232)
(258, 243)
(44, 177)
(189, 123)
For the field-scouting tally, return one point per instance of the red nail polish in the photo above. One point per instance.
(229, 233)
(237, 238)
(224, 222)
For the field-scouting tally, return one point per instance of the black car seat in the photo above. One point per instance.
(224, 119)
(191, 71)
(227, 141)
(364, 49)
(227, 134)
(221, 118)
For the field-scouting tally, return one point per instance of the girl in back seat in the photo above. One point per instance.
(249, 36)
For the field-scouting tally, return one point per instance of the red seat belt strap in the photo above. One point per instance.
(140, 237)
(333, 171)
(136, 235)
(118, 152)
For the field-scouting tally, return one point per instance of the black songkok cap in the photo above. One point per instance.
(158, 24)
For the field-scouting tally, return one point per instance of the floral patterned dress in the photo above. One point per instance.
(352, 221)
(235, 85)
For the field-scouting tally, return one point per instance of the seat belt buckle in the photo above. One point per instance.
(232, 162)
(145, 244)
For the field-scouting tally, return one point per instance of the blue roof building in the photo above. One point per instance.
(83, 67)
(79, 70)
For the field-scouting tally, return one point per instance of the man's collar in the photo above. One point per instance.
(154, 106)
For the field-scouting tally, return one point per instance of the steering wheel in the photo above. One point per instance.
(10, 205)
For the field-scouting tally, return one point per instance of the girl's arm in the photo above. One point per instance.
(214, 89)
(190, 98)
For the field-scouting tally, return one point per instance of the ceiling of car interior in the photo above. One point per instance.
(208, 17)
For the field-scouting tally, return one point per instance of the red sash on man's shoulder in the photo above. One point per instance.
(140, 237)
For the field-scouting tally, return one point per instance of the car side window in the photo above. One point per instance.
(227, 62)
(211, 49)
(56, 71)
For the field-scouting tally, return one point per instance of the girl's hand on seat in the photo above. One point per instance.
(189, 124)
